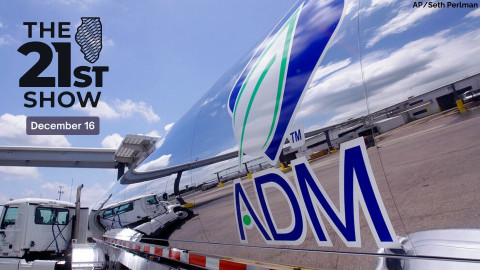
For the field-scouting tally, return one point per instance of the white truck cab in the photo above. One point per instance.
(147, 214)
(33, 226)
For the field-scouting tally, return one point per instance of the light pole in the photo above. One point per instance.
(60, 192)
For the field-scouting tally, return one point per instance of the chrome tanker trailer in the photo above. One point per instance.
(361, 104)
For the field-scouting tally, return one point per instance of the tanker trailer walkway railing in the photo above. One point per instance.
(192, 260)
(181, 258)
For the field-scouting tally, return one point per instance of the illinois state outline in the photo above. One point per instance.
(89, 38)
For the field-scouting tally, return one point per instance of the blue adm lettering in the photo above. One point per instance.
(357, 186)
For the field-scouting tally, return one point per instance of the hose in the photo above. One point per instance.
(55, 239)
(66, 242)
(119, 222)
(113, 222)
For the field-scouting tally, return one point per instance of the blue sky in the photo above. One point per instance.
(163, 56)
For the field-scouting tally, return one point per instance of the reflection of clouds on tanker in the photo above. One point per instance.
(421, 66)
(228, 150)
(162, 139)
(418, 66)
(325, 14)
(342, 87)
(210, 99)
(349, 7)
(348, 111)
(375, 5)
(125, 192)
(404, 20)
(327, 69)
(156, 164)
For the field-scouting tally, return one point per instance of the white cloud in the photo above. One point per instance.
(93, 194)
(474, 14)
(13, 131)
(107, 42)
(12, 172)
(27, 193)
(3, 199)
(89, 194)
(50, 190)
(103, 110)
(129, 107)
(7, 40)
(404, 20)
(52, 186)
(112, 141)
(168, 127)
(1, 25)
(120, 109)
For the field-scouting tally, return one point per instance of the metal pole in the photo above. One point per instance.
(71, 187)
(77, 213)
(121, 170)
(327, 138)
(246, 167)
(176, 185)
(455, 93)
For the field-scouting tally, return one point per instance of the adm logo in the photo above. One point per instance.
(264, 100)
(263, 104)
(309, 202)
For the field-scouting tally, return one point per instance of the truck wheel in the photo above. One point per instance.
(182, 214)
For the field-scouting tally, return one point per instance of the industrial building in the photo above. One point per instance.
(321, 141)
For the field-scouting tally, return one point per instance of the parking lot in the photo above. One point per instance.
(428, 175)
